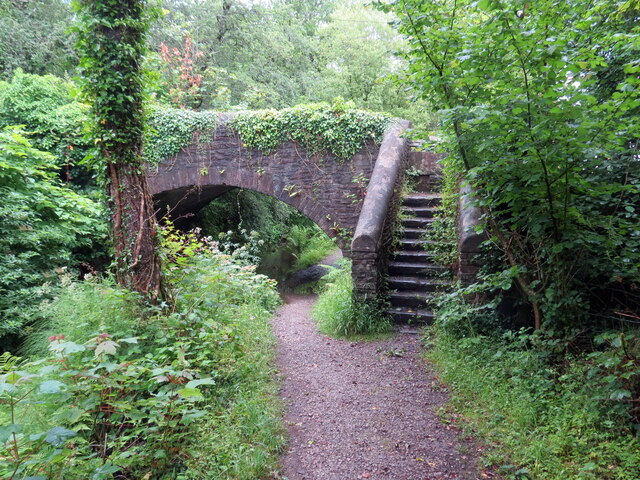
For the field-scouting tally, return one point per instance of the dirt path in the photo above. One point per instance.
(360, 410)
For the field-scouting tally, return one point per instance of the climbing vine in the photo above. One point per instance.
(111, 42)
(172, 129)
(339, 129)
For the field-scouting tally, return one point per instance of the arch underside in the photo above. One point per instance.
(180, 202)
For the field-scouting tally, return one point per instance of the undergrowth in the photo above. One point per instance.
(541, 419)
(114, 390)
(340, 313)
(309, 245)
(440, 235)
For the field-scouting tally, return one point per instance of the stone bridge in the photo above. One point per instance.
(352, 201)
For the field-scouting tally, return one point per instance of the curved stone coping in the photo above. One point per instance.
(380, 189)
(469, 217)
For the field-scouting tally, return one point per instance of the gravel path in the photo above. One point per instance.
(360, 410)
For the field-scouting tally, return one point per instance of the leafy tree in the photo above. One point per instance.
(43, 223)
(33, 36)
(47, 108)
(254, 55)
(549, 151)
(358, 61)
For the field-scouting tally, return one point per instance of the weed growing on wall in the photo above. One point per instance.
(441, 236)
(340, 129)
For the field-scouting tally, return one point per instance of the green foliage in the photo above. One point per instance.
(34, 37)
(31, 100)
(339, 128)
(111, 39)
(309, 245)
(147, 394)
(357, 60)
(171, 129)
(537, 421)
(46, 107)
(545, 135)
(258, 55)
(442, 234)
(340, 313)
(43, 223)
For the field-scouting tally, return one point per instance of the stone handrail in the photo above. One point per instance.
(369, 245)
(380, 190)
(469, 240)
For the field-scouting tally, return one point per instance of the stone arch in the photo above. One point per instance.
(191, 199)
(328, 190)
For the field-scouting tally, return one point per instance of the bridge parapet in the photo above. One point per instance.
(373, 234)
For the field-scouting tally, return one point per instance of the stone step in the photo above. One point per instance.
(422, 199)
(428, 183)
(411, 316)
(417, 222)
(409, 299)
(414, 233)
(411, 268)
(412, 256)
(423, 284)
(412, 244)
(421, 212)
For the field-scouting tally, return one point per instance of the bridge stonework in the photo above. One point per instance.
(322, 187)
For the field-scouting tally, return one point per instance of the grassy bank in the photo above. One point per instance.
(538, 421)
(115, 390)
(341, 314)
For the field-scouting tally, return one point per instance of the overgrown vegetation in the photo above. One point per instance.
(440, 238)
(539, 102)
(142, 393)
(340, 313)
(45, 227)
(339, 128)
(111, 40)
(281, 239)
(540, 419)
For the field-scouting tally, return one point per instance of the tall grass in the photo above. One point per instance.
(340, 313)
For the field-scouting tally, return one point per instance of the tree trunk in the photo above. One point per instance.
(134, 230)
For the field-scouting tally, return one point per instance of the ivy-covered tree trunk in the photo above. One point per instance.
(112, 44)
(134, 230)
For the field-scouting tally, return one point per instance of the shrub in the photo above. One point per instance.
(43, 223)
(541, 418)
(45, 106)
(140, 395)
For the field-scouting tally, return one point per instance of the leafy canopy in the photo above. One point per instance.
(551, 152)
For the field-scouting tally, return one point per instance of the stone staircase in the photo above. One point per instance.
(413, 276)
